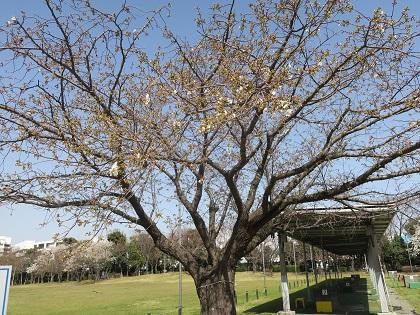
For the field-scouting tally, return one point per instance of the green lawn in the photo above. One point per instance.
(138, 295)
(134, 295)
(411, 295)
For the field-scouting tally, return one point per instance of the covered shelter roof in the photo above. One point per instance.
(342, 231)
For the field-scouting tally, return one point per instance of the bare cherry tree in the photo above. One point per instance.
(283, 105)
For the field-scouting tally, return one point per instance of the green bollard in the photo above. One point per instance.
(256, 293)
(246, 297)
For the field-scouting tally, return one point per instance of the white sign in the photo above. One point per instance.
(5, 275)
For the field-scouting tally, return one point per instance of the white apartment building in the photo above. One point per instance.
(5, 244)
(45, 244)
(24, 245)
(28, 244)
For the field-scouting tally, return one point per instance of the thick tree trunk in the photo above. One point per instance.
(13, 278)
(254, 267)
(216, 293)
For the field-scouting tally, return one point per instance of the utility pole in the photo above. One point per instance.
(263, 263)
(294, 257)
(313, 265)
(179, 263)
(409, 257)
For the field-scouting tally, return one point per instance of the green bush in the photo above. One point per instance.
(289, 268)
(241, 268)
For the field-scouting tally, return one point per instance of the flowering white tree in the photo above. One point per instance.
(290, 104)
(90, 258)
(42, 265)
(98, 256)
(50, 262)
(415, 240)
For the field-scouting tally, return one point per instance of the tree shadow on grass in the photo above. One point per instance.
(353, 300)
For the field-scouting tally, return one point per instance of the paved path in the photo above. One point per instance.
(401, 306)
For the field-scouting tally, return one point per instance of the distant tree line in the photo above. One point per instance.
(77, 260)
(118, 256)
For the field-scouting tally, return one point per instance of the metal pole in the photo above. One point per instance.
(409, 257)
(179, 264)
(180, 289)
(263, 263)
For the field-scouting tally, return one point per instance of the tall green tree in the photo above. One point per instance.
(394, 252)
(117, 237)
(135, 259)
(119, 250)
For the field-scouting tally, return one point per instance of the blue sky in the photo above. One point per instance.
(25, 222)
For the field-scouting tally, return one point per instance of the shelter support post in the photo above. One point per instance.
(376, 273)
(369, 270)
(336, 274)
(338, 267)
(314, 267)
(283, 278)
(294, 258)
(306, 273)
(324, 264)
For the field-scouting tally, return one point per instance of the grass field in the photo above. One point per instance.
(411, 295)
(157, 294)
